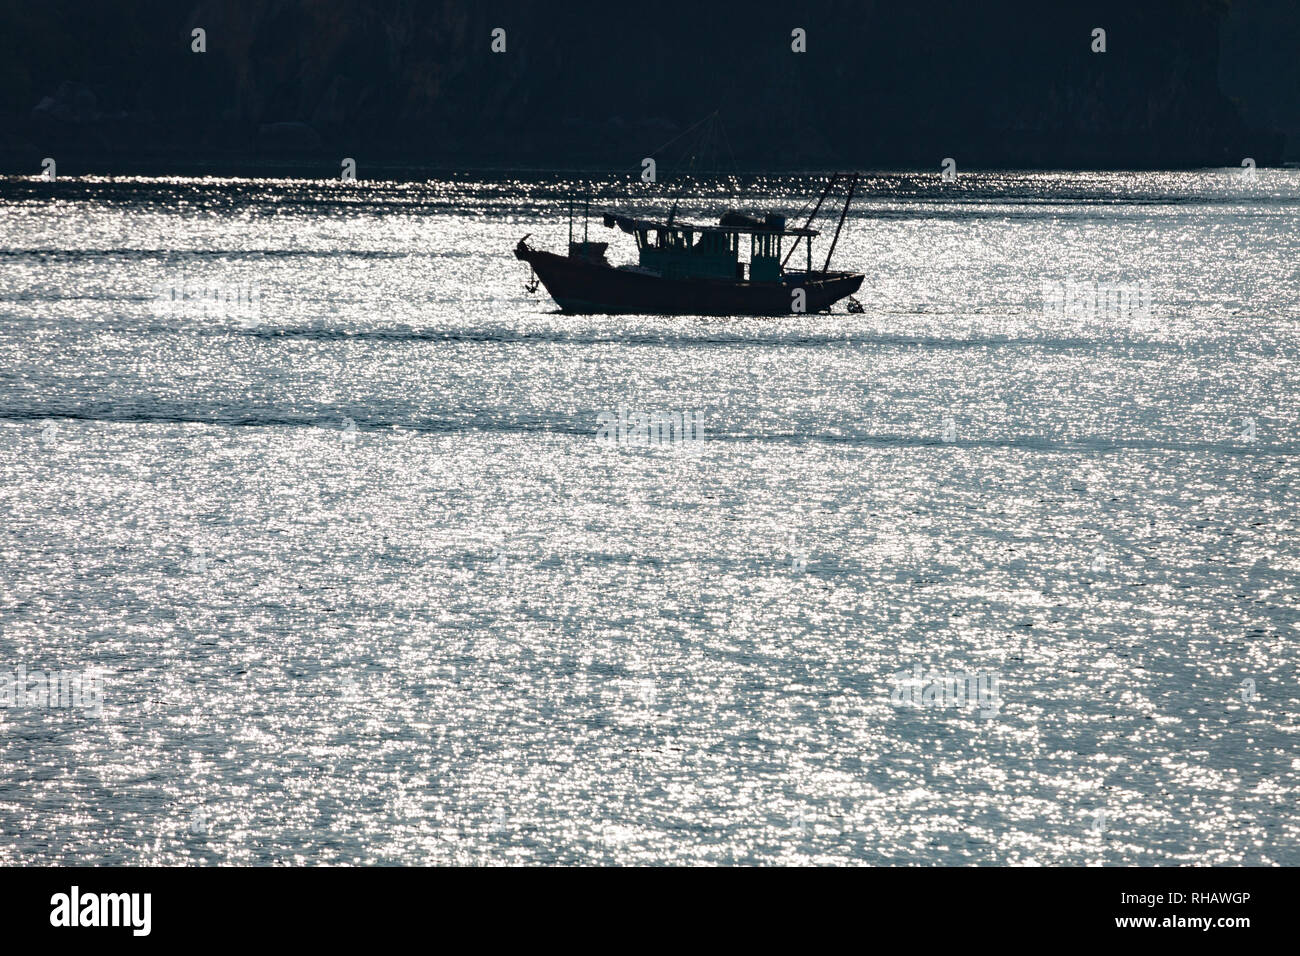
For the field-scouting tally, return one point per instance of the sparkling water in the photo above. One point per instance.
(306, 492)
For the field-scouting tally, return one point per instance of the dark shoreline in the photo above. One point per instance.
(327, 168)
(289, 85)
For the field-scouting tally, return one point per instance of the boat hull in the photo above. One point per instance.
(589, 288)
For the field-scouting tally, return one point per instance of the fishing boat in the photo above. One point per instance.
(695, 269)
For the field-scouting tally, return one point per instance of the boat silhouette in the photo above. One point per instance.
(695, 269)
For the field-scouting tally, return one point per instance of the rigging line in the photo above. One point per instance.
(709, 129)
(683, 133)
(727, 142)
(699, 148)
(808, 202)
(686, 132)
(807, 225)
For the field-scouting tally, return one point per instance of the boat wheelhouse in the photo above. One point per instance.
(681, 250)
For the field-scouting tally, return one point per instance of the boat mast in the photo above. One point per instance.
(840, 225)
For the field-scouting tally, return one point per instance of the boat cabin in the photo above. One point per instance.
(679, 250)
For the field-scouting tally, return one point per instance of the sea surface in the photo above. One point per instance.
(307, 491)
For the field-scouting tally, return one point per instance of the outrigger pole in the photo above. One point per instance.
(840, 225)
(808, 224)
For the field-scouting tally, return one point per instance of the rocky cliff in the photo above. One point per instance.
(881, 83)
